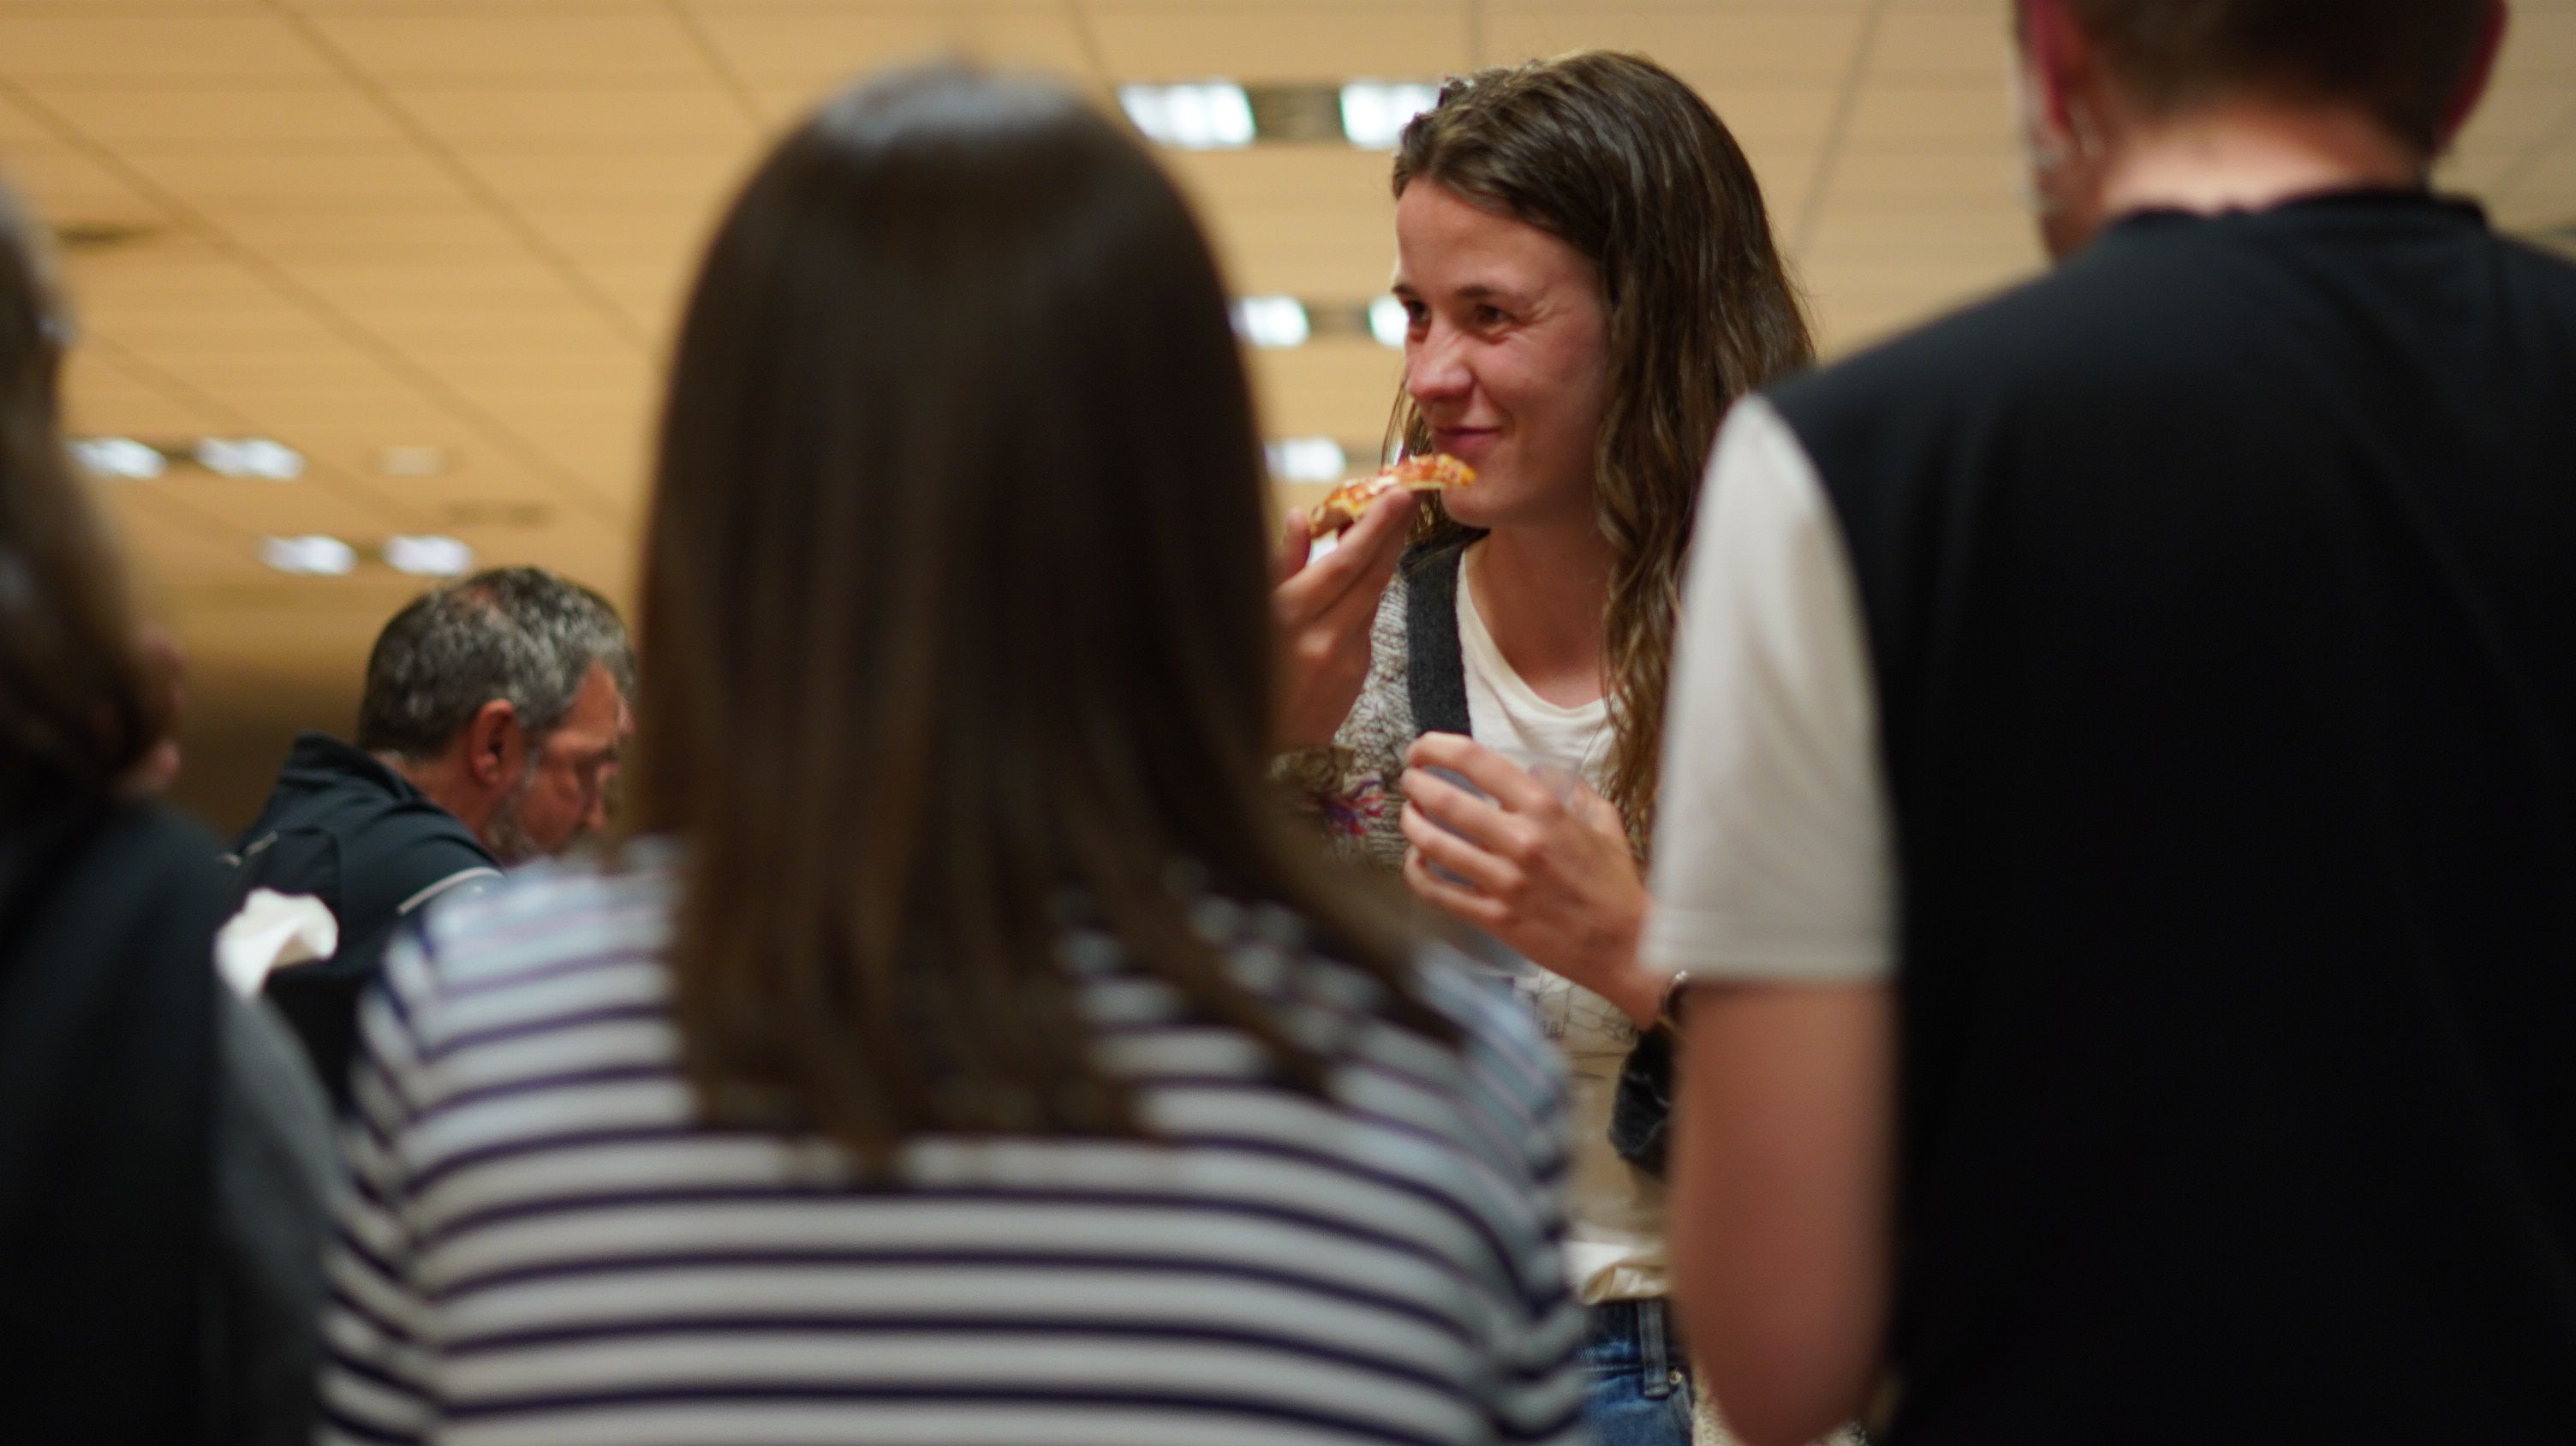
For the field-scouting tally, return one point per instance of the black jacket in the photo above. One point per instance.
(163, 1163)
(346, 829)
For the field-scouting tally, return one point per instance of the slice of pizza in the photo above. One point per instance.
(1349, 502)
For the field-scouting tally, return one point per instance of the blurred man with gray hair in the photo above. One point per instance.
(489, 733)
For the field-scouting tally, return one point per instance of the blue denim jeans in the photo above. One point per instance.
(1636, 1377)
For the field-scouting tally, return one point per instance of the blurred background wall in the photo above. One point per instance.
(370, 290)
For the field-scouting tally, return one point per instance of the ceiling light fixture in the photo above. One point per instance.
(1387, 321)
(1375, 113)
(1272, 321)
(1307, 459)
(312, 556)
(119, 457)
(1202, 116)
(411, 461)
(428, 556)
(250, 457)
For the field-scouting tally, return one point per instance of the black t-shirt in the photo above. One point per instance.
(2220, 593)
(343, 827)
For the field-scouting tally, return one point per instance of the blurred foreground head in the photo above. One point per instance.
(955, 602)
(2098, 73)
(80, 704)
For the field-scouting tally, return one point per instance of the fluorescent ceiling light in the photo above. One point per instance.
(429, 556)
(314, 556)
(411, 461)
(1307, 459)
(119, 457)
(1207, 116)
(1374, 114)
(1387, 321)
(1272, 321)
(250, 457)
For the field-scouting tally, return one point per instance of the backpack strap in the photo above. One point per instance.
(1435, 669)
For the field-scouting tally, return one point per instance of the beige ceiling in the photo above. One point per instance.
(462, 224)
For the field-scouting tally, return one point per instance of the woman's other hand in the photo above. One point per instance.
(1325, 607)
(1542, 864)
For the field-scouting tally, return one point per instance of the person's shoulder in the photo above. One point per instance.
(2551, 273)
(2024, 333)
(154, 834)
(147, 850)
(1498, 1036)
(544, 916)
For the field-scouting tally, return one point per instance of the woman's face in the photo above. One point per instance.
(1506, 356)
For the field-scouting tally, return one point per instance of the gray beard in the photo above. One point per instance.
(505, 835)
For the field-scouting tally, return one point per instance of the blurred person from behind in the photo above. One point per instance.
(967, 1046)
(2122, 794)
(1590, 279)
(164, 1161)
(495, 711)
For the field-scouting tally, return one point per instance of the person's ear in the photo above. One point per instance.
(2060, 62)
(2473, 82)
(495, 745)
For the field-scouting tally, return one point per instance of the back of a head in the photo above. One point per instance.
(521, 634)
(955, 598)
(2402, 61)
(78, 705)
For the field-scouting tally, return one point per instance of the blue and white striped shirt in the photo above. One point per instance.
(545, 1247)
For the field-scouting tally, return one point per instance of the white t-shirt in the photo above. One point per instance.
(1773, 858)
(1615, 1246)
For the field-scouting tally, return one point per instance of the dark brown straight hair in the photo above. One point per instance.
(955, 608)
(79, 703)
(2402, 60)
(1618, 158)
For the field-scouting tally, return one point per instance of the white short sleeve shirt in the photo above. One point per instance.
(1773, 856)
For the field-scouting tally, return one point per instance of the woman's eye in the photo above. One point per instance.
(1489, 316)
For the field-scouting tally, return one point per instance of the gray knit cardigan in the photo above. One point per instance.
(1417, 684)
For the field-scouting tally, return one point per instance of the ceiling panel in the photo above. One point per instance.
(1964, 178)
(1945, 44)
(393, 230)
(255, 509)
(1934, 111)
(515, 42)
(350, 174)
(773, 46)
(1709, 46)
(542, 116)
(2540, 44)
(201, 113)
(164, 279)
(69, 186)
(426, 289)
(106, 43)
(19, 123)
(672, 178)
(1288, 42)
(1764, 116)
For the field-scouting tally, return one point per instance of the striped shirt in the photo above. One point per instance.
(544, 1245)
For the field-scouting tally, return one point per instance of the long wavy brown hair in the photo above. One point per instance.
(80, 703)
(1615, 156)
(955, 615)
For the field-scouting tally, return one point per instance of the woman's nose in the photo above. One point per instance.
(1435, 369)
